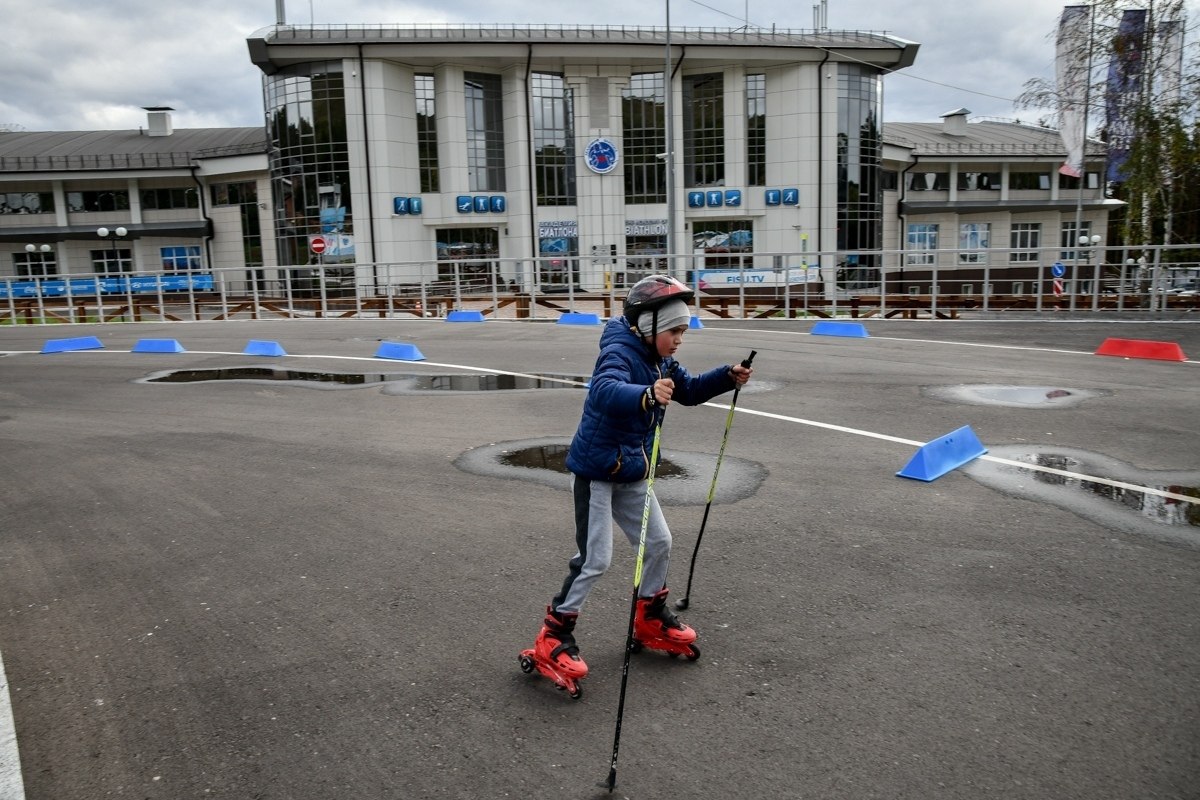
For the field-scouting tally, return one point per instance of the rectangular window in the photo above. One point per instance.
(978, 181)
(1070, 239)
(553, 140)
(427, 144)
(704, 130)
(968, 289)
(112, 262)
(928, 181)
(1018, 287)
(485, 133)
(180, 259)
(99, 200)
(889, 180)
(643, 125)
(35, 265)
(166, 199)
(1025, 239)
(921, 237)
(469, 256)
(234, 194)
(1069, 182)
(756, 130)
(26, 202)
(1029, 181)
(974, 238)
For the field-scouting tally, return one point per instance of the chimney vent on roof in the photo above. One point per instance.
(159, 120)
(955, 122)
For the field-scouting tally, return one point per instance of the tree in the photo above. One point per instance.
(1143, 103)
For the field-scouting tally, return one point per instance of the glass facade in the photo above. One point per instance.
(553, 140)
(427, 145)
(485, 132)
(309, 162)
(704, 130)
(756, 130)
(859, 190)
(643, 128)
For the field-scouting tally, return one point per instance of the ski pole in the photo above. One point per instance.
(637, 585)
(682, 602)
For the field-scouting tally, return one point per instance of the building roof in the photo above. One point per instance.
(985, 137)
(47, 151)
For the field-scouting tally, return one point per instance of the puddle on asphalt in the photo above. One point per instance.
(682, 478)
(1116, 507)
(393, 383)
(1012, 396)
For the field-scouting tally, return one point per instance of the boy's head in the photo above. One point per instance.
(665, 334)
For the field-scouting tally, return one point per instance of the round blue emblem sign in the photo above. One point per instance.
(601, 156)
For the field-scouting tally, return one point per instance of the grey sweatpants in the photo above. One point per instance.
(598, 504)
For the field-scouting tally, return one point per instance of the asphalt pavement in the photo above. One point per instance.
(255, 587)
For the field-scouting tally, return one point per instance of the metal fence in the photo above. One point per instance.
(937, 284)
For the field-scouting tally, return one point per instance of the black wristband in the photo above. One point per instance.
(651, 401)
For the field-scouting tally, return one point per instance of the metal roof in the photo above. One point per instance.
(983, 138)
(41, 151)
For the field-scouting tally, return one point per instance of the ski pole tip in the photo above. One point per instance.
(681, 603)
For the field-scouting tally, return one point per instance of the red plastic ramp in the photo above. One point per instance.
(1141, 348)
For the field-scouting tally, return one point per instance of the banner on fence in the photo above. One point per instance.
(732, 278)
(87, 287)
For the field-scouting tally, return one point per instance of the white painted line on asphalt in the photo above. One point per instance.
(995, 459)
(11, 787)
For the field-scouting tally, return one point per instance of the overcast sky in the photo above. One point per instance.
(82, 65)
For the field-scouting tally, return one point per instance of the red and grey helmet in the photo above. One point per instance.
(650, 293)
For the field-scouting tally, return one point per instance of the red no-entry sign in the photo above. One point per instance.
(318, 244)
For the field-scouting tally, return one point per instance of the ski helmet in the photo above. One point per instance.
(650, 293)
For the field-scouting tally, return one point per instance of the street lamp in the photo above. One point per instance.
(1086, 243)
(112, 236)
(1138, 267)
(41, 262)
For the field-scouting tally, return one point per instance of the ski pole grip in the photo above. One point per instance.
(746, 363)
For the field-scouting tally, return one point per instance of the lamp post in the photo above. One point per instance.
(42, 251)
(112, 236)
(1086, 243)
(1138, 267)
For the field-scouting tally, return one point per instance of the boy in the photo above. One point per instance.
(634, 380)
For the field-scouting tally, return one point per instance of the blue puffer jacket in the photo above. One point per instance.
(616, 434)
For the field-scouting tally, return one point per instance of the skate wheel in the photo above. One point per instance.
(526, 664)
(575, 692)
(693, 652)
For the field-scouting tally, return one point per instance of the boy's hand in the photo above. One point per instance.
(741, 375)
(663, 389)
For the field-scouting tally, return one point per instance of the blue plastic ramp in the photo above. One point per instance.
(695, 322)
(571, 318)
(854, 330)
(66, 345)
(257, 347)
(465, 316)
(157, 346)
(399, 351)
(937, 457)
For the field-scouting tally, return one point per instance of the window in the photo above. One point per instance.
(889, 180)
(976, 237)
(928, 181)
(725, 243)
(35, 265)
(704, 130)
(922, 236)
(1022, 181)
(553, 140)
(1069, 182)
(1025, 239)
(644, 129)
(968, 289)
(1018, 287)
(165, 199)
(978, 181)
(427, 144)
(180, 259)
(99, 200)
(467, 255)
(26, 202)
(112, 261)
(234, 194)
(1070, 238)
(859, 156)
(756, 130)
(485, 133)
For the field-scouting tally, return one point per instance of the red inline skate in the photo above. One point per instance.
(555, 654)
(657, 628)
